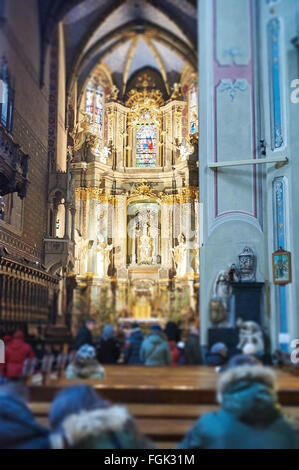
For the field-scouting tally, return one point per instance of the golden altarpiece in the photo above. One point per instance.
(135, 176)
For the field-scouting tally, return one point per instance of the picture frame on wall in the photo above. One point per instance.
(281, 267)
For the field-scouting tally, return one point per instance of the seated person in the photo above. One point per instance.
(154, 349)
(18, 428)
(107, 346)
(218, 355)
(250, 416)
(80, 419)
(85, 365)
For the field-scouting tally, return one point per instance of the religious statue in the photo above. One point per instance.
(103, 263)
(79, 133)
(180, 256)
(222, 291)
(114, 93)
(81, 252)
(222, 287)
(145, 247)
(183, 149)
(176, 91)
(104, 152)
(250, 333)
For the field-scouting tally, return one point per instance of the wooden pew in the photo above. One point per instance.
(165, 401)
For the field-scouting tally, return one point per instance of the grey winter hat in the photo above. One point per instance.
(217, 348)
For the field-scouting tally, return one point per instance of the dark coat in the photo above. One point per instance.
(173, 332)
(155, 350)
(107, 350)
(18, 428)
(249, 418)
(192, 350)
(84, 336)
(16, 352)
(215, 359)
(132, 348)
(102, 428)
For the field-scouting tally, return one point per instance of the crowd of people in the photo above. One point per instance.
(128, 345)
(131, 346)
(249, 415)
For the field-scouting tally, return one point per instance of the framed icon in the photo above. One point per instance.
(281, 266)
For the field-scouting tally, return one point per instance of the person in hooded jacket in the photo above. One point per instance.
(6, 340)
(85, 365)
(16, 352)
(84, 335)
(107, 346)
(80, 419)
(192, 347)
(250, 416)
(218, 355)
(18, 428)
(172, 331)
(154, 349)
(133, 345)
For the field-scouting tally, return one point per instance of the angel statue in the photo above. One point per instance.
(176, 91)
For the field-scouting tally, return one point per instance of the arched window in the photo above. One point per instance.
(94, 106)
(146, 144)
(193, 108)
(6, 96)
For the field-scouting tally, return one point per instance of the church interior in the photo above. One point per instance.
(148, 175)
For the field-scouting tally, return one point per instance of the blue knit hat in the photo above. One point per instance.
(86, 352)
(156, 328)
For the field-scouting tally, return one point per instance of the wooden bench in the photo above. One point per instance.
(165, 402)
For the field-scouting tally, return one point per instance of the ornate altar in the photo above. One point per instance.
(136, 184)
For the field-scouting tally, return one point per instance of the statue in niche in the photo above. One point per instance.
(81, 252)
(145, 247)
(180, 256)
(103, 258)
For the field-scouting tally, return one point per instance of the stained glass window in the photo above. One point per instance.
(94, 106)
(6, 96)
(146, 144)
(193, 109)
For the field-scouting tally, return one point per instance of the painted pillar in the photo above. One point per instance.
(231, 197)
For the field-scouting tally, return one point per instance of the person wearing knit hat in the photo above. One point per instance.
(85, 365)
(249, 417)
(154, 349)
(218, 355)
(107, 346)
(133, 345)
(81, 419)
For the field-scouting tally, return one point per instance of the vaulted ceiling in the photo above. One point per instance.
(124, 34)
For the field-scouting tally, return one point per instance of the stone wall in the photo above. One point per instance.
(19, 43)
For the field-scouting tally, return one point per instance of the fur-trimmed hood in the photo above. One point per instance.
(86, 424)
(248, 392)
